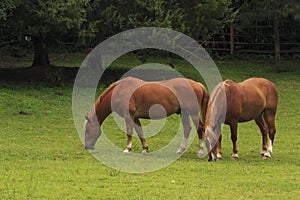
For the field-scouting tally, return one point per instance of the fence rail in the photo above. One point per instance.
(250, 41)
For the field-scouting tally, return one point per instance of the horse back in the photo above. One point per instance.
(188, 91)
(266, 88)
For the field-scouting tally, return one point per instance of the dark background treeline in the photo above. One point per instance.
(227, 27)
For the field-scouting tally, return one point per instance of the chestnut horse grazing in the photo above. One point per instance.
(231, 103)
(132, 98)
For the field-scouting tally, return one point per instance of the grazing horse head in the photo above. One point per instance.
(92, 132)
(96, 116)
(216, 113)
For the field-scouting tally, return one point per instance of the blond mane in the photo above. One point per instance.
(216, 110)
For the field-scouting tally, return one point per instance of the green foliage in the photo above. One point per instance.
(5, 7)
(86, 23)
(293, 9)
(264, 10)
(197, 19)
(206, 18)
(44, 23)
(48, 17)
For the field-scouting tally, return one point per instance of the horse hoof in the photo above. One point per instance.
(126, 151)
(180, 151)
(219, 159)
(200, 155)
(266, 155)
(212, 159)
(145, 152)
(234, 157)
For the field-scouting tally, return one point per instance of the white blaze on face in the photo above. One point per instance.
(84, 125)
(209, 134)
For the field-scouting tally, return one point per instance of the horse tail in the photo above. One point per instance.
(204, 104)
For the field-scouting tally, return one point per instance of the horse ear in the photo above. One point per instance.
(87, 118)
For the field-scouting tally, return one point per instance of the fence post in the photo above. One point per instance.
(231, 39)
(277, 39)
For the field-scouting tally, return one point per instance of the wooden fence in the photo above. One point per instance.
(237, 42)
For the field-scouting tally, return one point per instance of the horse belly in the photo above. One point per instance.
(252, 110)
(156, 110)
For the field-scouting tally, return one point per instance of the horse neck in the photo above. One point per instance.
(102, 107)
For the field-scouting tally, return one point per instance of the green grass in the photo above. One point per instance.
(42, 156)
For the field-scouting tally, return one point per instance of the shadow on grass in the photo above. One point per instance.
(51, 75)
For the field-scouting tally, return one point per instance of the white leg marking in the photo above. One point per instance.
(219, 156)
(262, 153)
(213, 157)
(182, 146)
(129, 146)
(270, 147)
(201, 149)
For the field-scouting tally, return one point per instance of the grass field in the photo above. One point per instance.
(42, 156)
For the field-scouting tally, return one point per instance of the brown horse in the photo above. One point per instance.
(132, 98)
(231, 103)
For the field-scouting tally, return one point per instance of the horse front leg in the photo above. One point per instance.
(139, 130)
(233, 130)
(186, 131)
(219, 148)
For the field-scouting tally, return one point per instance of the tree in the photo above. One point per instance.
(198, 19)
(5, 7)
(45, 21)
(269, 12)
(109, 17)
(208, 17)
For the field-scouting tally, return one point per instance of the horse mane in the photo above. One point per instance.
(92, 115)
(107, 90)
(216, 111)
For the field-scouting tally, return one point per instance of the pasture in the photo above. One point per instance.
(42, 156)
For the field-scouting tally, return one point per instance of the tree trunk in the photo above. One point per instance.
(41, 68)
(40, 52)
(277, 39)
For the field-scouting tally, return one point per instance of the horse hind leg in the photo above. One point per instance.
(129, 131)
(200, 129)
(233, 130)
(139, 130)
(270, 120)
(186, 131)
(264, 133)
